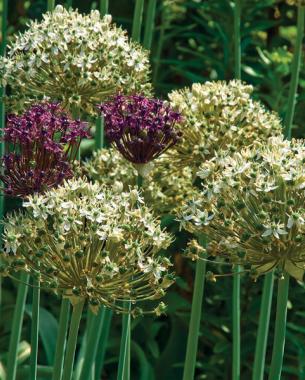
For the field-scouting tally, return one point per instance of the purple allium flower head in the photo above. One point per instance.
(40, 143)
(141, 128)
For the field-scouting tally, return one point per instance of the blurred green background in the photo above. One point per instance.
(192, 43)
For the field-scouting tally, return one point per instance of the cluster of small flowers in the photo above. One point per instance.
(140, 128)
(75, 59)
(218, 116)
(87, 242)
(252, 207)
(164, 189)
(43, 140)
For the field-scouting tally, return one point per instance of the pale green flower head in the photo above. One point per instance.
(252, 207)
(87, 242)
(77, 59)
(164, 189)
(218, 116)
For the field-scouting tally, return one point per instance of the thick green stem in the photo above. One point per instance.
(280, 329)
(17, 326)
(137, 20)
(92, 344)
(236, 324)
(72, 340)
(104, 7)
(149, 24)
(124, 358)
(263, 328)
(61, 338)
(102, 343)
(51, 5)
(237, 40)
(99, 133)
(295, 72)
(157, 56)
(34, 330)
(139, 181)
(194, 328)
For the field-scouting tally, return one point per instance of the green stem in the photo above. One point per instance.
(101, 351)
(137, 20)
(99, 133)
(263, 328)
(124, 358)
(61, 338)
(69, 4)
(72, 340)
(280, 329)
(92, 344)
(139, 181)
(158, 54)
(149, 24)
(17, 326)
(295, 72)
(35, 330)
(104, 7)
(236, 324)
(51, 5)
(196, 311)
(237, 40)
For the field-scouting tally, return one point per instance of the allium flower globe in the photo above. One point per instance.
(163, 189)
(218, 116)
(141, 128)
(40, 143)
(252, 207)
(88, 243)
(73, 58)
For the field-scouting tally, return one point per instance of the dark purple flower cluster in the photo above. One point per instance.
(141, 128)
(39, 145)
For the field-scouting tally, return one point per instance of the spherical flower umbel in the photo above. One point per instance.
(141, 128)
(79, 60)
(87, 242)
(218, 116)
(40, 143)
(164, 189)
(252, 207)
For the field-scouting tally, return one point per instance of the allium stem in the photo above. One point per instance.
(263, 328)
(196, 311)
(137, 20)
(149, 24)
(104, 7)
(94, 334)
(102, 342)
(124, 359)
(61, 338)
(17, 326)
(295, 72)
(72, 340)
(51, 5)
(237, 40)
(236, 324)
(157, 56)
(69, 4)
(280, 329)
(99, 133)
(34, 329)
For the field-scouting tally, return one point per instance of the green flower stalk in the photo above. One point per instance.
(88, 243)
(79, 60)
(218, 116)
(251, 207)
(164, 189)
